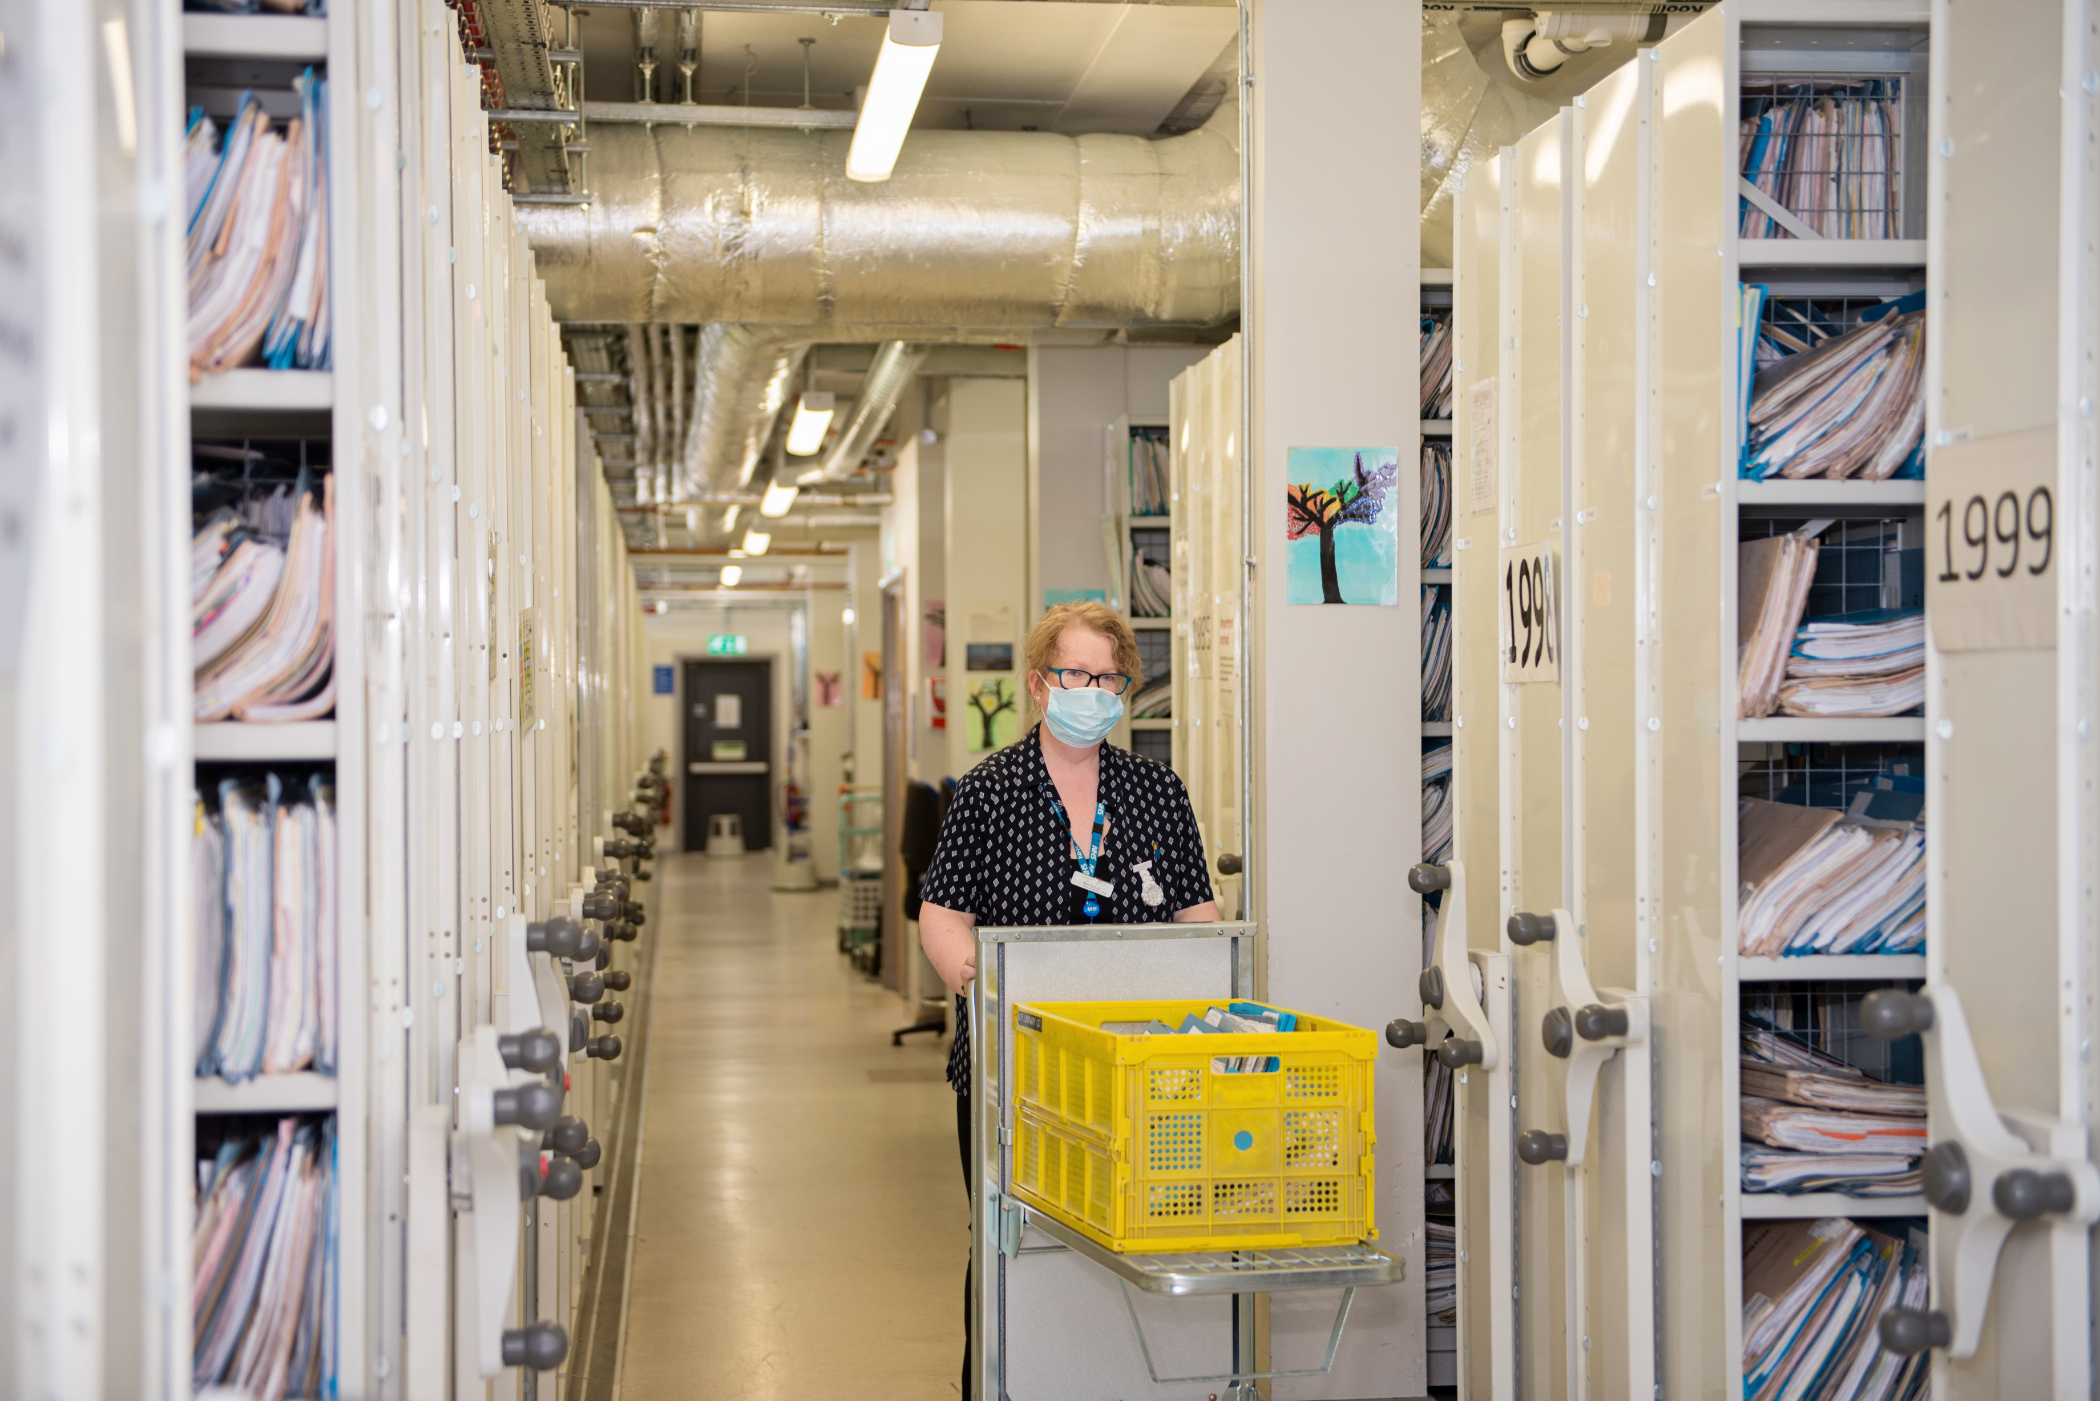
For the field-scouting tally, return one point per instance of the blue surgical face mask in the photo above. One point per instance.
(1082, 717)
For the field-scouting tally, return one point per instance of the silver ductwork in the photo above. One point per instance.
(976, 228)
(895, 366)
(740, 384)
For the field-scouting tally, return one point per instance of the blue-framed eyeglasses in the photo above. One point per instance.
(1071, 678)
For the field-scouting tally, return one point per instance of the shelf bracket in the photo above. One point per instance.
(1239, 1380)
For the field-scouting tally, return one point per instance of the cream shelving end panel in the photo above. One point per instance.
(1208, 651)
(2011, 699)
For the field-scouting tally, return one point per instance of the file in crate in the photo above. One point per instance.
(1149, 1142)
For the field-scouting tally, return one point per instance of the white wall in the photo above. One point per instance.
(1334, 209)
(987, 536)
(670, 639)
(830, 729)
(1075, 394)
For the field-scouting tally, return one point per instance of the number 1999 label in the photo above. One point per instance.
(1990, 543)
(1528, 618)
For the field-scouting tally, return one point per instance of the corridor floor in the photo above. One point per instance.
(801, 1228)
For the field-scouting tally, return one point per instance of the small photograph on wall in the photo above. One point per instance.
(992, 716)
(1342, 519)
(828, 689)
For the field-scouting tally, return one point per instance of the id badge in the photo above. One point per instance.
(1094, 883)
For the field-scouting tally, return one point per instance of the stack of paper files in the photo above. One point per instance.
(1440, 1265)
(1436, 805)
(262, 610)
(1436, 366)
(265, 993)
(257, 237)
(1852, 407)
(1773, 575)
(263, 1264)
(1812, 1123)
(1867, 663)
(1436, 652)
(1155, 702)
(1819, 881)
(1436, 502)
(1436, 1111)
(1827, 151)
(1151, 588)
(1813, 1296)
(1232, 1019)
(1866, 1175)
(1149, 495)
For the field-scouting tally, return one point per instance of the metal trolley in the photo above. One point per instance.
(1053, 1313)
(860, 874)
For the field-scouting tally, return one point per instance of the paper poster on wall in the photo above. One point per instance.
(1481, 474)
(1053, 597)
(994, 717)
(664, 683)
(937, 710)
(829, 689)
(729, 711)
(871, 676)
(1342, 520)
(988, 656)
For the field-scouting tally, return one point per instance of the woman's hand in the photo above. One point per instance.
(950, 940)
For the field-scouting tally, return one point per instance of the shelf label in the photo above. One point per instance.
(1486, 441)
(1528, 621)
(1990, 543)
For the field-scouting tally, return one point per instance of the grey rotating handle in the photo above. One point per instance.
(1402, 1034)
(533, 1106)
(589, 946)
(1556, 1032)
(1426, 878)
(1528, 929)
(633, 913)
(536, 1051)
(617, 981)
(632, 823)
(1455, 1053)
(1595, 1022)
(540, 1347)
(586, 988)
(567, 1135)
(1948, 1182)
(1431, 986)
(559, 936)
(625, 933)
(1536, 1147)
(618, 849)
(601, 904)
(587, 1156)
(2022, 1194)
(610, 1012)
(1891, 1013)
(556, 1178)
(1908, 1332)
(1229, 863)
(602, 1048)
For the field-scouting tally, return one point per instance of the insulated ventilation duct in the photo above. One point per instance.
(978, 236)
(896, 364)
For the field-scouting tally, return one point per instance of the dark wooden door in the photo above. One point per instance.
(728, 737)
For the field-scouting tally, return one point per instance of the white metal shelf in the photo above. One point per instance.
(1795, 729)
(1440, 1172)
(1435, 575)
(1819, 967)
(1436, 277)
(1436, 427)
(293, 38)
(1891, 496)
(266, 391)
(233, 741)
(1830, 253)
(1145, 723)
(1183, 1274)
(1776, 1206)
(1165, 522)
(300, 1092)
(1436, 729)
(1150, 622)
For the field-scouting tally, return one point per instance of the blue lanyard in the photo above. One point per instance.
(1087, 862)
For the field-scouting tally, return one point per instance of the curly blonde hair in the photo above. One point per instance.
(1097, 618)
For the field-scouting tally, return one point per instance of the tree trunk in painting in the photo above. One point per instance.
(1330, 580)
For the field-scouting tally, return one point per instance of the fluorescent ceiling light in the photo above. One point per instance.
(756, 541)
(732, 575)
(812, 417)
(779, 497)
(893, 93)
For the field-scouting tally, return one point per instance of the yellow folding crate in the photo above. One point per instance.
(1139, 1142)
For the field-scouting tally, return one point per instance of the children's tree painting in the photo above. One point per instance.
(1343, 526)
(993, 720)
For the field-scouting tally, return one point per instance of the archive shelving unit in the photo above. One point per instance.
(1151, 536)
(1869, 524)
(221, 57)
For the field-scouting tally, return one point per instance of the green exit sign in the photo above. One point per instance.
(727, 644)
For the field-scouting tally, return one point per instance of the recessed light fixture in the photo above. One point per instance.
(732, 575)
(779, 497)
(907, 56)
(756, 541)
(813, 413)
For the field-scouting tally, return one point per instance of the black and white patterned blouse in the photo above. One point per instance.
(1005, 855)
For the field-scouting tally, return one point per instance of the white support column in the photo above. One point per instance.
(1333, 218)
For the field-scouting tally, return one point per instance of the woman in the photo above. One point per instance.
(1059, 828)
